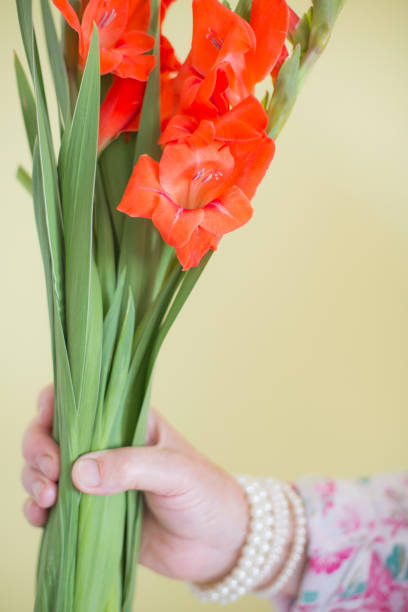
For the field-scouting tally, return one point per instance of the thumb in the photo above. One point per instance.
(152, 469)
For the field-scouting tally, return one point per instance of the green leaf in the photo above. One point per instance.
(77, 175)
(57, 561)
(43, 237)
(110, 435)
(285, 93)
(100, 544)
(57, 63)
(243, 9)
(110, 329)
(302, 32)
(116, 164)
(149, 130)
(324, 15)
(24, 178)
(25, 18)
(50, 190)
(27, 103)
(105, 245)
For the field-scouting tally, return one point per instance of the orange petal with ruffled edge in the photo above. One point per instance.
(251, 163)
(231, 211)
(194, 250)
(195, 177)
(175, 224)
(178, 128)
(246, 121)
(110, 16)
(217, 33)
(138, 67)
(139, 15)
(110, 59)
(120, 108)
(269, 20)
(69, 14)
(143, 191)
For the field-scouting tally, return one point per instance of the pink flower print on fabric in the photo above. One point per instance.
(327, 491)
(351, 521)
(331, 561)
(383, 593)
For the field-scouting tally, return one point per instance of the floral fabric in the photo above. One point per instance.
(358, 545)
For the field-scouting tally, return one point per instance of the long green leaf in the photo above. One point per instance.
(77, 176)
(25, 18)
(116, 164)
(56, 580)
(41, 223)
(57, 63)
(105, 244)
(149, 131)
(27, 103)
(115, 395)
(50, 190)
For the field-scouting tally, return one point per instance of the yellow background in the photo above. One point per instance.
(291, 355)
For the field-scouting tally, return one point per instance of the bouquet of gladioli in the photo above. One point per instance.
(154, 161)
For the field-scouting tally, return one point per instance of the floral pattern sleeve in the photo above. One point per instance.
(358, 545)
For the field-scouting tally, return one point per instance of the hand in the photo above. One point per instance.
(196, 516)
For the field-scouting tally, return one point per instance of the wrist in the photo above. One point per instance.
(227, 550)
(270, 560)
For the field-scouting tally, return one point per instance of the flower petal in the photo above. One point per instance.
(110, 16)
(195, 177)
(139, 15)
(194, 250)
(231, 211)
(174, 223)
(246, 121)
(110, 59)
(269, 20)
(122, 105)
(138, 67)
(251, 164)
(70, 15)
(143, 191)
(217, 33)
(178, 128)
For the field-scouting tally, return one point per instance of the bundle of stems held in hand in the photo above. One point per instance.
(155, 160)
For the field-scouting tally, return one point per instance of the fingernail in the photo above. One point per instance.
(37, 488)
(88, 474)
(45, 463)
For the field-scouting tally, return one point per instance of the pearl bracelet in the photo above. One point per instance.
(298, 547)
(266, 542)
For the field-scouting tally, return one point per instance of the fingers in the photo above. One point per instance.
(41, 451)
(151, 469)
(42, 490)
(35, 515)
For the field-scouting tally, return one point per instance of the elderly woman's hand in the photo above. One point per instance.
(196, 516)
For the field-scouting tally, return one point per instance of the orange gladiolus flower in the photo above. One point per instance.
(198, 192)
(228, 55)
(122, 26)
(190, 197)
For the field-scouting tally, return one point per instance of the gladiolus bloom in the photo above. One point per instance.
(196, 194)
(122, 26)
(190, 197)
